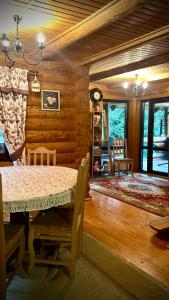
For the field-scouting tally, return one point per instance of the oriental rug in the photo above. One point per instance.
(147, 192)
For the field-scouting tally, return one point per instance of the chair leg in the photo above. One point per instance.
(132, 166)
(31, 250)
(21, 255)
(127, 167)
(80, 241)
(118, 166)
(72, 268)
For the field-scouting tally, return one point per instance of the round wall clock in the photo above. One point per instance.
(96, 95)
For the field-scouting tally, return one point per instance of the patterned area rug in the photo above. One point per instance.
(149, 193)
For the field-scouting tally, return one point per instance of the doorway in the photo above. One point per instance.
(117, 120)
(155, 136)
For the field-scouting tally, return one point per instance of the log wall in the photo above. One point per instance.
(66, 130)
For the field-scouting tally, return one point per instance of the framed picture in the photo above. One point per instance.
(50, 100)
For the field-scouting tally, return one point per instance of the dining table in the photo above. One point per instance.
(31, 188)
(35, 188)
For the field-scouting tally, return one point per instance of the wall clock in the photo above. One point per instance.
(96, 95)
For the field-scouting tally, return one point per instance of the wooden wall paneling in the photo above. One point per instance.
(48, 124)
(50, 136)
(82, 117)
(35, 111)
(65, 130)
(54, 130)
(110, 91)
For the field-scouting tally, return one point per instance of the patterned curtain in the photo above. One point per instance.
(13, 102)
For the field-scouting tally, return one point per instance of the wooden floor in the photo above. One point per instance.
(125, 229)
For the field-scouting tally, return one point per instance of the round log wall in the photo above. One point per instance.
(66, 130)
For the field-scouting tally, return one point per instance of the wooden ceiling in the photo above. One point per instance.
(112, 37)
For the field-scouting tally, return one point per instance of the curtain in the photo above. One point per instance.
(13, 102)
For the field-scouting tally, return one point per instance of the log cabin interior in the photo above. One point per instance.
(100, 44)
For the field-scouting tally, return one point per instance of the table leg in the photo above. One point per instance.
(21, 218)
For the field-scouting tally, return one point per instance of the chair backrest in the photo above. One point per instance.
(119, 147)
(79, 194)
(41, 156)
(2, 252)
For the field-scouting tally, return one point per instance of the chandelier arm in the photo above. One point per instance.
(9, 58)
(36, 60)
(18, 47)
(10, 62)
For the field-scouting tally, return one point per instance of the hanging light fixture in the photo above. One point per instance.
(18, 47)
(138, 89)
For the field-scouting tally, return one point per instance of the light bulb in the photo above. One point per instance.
(5, 40)
(126, 85)
(138, 82)
(41, 38)
(145, 85)
(5, 43)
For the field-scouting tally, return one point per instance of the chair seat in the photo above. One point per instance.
(124, 159)
(127, 162)
(13, 235)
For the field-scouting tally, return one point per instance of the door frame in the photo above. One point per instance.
(149, 146)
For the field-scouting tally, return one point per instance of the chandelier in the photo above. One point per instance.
(18, 47)
(138, 89)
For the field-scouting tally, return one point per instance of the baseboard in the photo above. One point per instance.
(133, 279)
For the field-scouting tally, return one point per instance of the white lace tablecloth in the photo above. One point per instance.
(30, 188)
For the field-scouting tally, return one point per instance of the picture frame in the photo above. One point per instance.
(50, 100)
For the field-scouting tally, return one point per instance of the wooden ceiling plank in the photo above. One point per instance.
(121, 28)
(149, 62)
(114, 34)
(105, 15)
(139, 18)
(72, 7)
(97, 4)
(58, 19)
(155, 14)
(62, 11)
(58, 13)
(142, 40)
(160, 7)
(145, 21)
(136, 27)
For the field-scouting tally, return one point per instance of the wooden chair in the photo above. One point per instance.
(62, 227)
(12, 240)
(120, 156)
(41, 156)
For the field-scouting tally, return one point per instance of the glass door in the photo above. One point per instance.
(116, 118)
(155, 136)
(116, 113)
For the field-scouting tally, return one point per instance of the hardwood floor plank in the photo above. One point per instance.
(125, 229)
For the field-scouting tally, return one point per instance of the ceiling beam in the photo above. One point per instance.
(148, 62)
(109, 13)
(153, 36)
